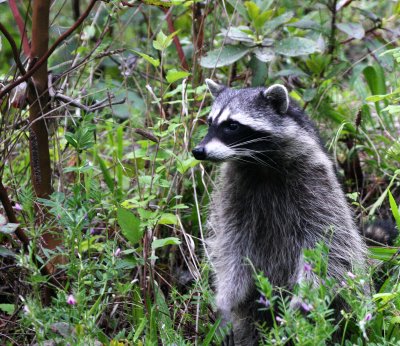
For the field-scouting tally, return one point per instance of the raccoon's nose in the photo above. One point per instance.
(199, 153)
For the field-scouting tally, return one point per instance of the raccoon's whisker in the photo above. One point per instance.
(241, 141)
(254, 140)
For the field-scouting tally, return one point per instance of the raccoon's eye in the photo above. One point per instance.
(231, 126)
(209, 121)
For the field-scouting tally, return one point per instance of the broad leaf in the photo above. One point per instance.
(8, 228)
(252, 9)
(224, 56)
(157, 243)
(237, 34)
(264, 54)
(130, 225)
(277, 21)
(7, 308)
(295, 46)
(4, 252)
(354, 30)
(174, 75)
(168, 219)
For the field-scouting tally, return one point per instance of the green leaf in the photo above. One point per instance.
(162, 41)
(88, 32)
(375, 79)
(9, 228)
(148, 58)
(277, 21)
(264, 54)
(71, 139)
(168, 219)
(252, 9)
(184, 165)
(295, 46)
(261, 19)
(382, 253)
(238, 34)
(239, 7)
(395, 209)
(376, 98)
(7, 308)
(210, 335)
(106, 173)
(157, 243)
(130, 225)
(305, 24)
(174, 75)
(392, 109)
(4, 252)
(224, 56)
(354, 30)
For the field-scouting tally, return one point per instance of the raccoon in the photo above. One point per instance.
(276, 194)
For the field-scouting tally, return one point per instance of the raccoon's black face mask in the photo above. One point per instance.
(238, 133)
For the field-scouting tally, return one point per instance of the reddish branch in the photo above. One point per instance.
(14, 48)
(38, 98)
(21, 27)
(176, 40)
(44, 58)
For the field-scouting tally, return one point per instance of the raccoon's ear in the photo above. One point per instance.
(215, 88)
(278, 96)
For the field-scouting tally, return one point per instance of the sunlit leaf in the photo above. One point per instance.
(174, 75)
(157, 243)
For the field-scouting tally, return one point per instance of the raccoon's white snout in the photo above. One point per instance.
(218, 151)
(214, 150)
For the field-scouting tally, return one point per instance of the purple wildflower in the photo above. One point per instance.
(71, 300)
(306, 307)
(117, 252)
(26, 309)
(368, 317)
(18, 207)
(280, 319)
(307, 267)
(264, 301)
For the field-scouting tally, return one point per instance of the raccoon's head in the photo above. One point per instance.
(251, 125)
